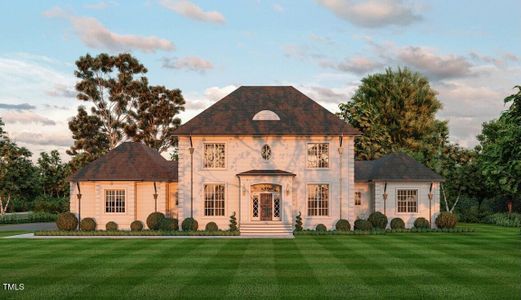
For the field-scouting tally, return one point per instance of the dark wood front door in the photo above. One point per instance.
(266, 206)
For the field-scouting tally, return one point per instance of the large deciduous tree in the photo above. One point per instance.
(53, 173)
(396, 111)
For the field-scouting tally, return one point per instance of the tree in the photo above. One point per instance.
(396, 111)
(500, 151)
(53, 173)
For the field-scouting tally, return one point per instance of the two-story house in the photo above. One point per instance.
(265, 154)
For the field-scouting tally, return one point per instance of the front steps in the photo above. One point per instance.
(266, 229)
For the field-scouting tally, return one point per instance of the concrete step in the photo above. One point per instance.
(266, 228)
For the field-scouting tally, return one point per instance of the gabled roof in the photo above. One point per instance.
(129, 161)
(394, 167)
(233, 115)
(266, 173)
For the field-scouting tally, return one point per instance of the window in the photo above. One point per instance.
(214, 199)
(114, 201)
(358, 198)
(318, 155)
(214, 156)
(318, 199)
(266, 152)
(407, 201)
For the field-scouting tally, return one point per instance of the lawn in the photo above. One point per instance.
(482, 265)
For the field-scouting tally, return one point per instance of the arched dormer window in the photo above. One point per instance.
(266, 115)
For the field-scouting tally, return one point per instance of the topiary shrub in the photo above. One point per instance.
(211, 227)
(363, 225)
(169, 224)
(154, 220)
(446, 220)
(88, 224)
(397, 223)
(233, 223)
(421, 223)
(298, 222)
(321, 228)
(136, 225)
(189, 224)
(67, 221)
(343, 225)
(378, 220)
(111, 226)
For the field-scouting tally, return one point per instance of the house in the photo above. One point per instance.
(265, 154)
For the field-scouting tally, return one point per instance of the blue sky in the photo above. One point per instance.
(470, 50)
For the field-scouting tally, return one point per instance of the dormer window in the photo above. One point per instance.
(266, 115)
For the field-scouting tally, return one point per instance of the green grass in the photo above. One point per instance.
(485, 264)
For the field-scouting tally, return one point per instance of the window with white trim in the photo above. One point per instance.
(407, 200)
(318, 155)
(214, 199)
(318, 199)
(114, 201)
(358, 198)
(214, 156)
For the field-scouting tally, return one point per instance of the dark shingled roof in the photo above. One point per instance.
(266, 173)
(129, 162)
(233, 115)
(394, 167)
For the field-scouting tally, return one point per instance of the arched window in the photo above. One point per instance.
(266, 115)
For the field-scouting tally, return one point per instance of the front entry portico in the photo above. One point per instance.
(265, 202)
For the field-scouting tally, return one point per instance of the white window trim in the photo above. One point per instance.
(225, 155)
(329, 200)
(328, 156)
(203, 215)
(417, 201)
(105, 201)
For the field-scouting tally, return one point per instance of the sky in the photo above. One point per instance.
(469, 50)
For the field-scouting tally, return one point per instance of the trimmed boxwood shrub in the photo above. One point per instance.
(421, 223)
(298, 222)
(211, 227)
(136, 225)
(446, 220)
(189, 224)
(363, 225)
(343, 225)
(154, 220)
(169, 224)
(321, 227)
(88, 224)
(67, 221)
(111, 226)
(378, 220)
(397, 223)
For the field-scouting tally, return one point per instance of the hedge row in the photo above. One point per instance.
(387, 231)
(28, 218)
(135, 233)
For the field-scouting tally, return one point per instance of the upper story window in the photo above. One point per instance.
(407, 201)
(214, 156)
(114, 201)
(358, 198)
(266, 152)
(318, 155)
(266, 115)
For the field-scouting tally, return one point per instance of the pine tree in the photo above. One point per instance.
(233, 223)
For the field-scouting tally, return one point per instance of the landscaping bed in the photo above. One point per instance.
(387, 231)
(135, 233)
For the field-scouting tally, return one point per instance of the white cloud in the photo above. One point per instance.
(25, 117)
(192, 11)
(278, 8)
(62, 90)
(43, 139)
(190, 63)
(95, 35)
(373, 13)
(216, 93)
(21, 106)
(357, 64)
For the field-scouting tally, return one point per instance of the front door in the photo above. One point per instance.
(266, 207)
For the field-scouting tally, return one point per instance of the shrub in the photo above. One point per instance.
(504, 219)
(189, 224)
(88, 224)
(446, 220)
(298, 222)
(321, 228)
(154, 220)
(421, 223)
(363, 225)
(136, 225)
(378, 220)
(211, 227)
(397, 223)
(49, 204)
(67, 221)
(169, 224)
(343, 225)
(233, 223)
(111, 226)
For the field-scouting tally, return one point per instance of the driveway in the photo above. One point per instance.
(28, 226)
